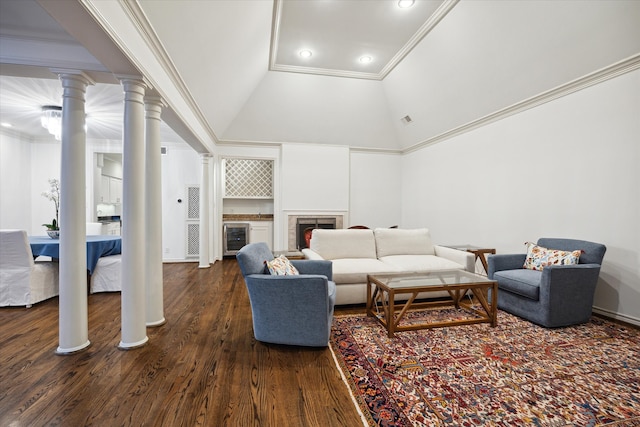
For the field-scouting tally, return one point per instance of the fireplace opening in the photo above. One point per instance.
(304, 227)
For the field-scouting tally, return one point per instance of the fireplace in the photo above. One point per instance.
(304, 226)
(297, 224)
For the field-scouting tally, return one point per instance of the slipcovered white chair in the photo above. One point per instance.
(107, 276)
(24, 281)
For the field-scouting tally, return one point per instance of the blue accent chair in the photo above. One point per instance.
(559, 295)
(292, 310)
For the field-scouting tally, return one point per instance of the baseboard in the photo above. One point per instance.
(176, 260)
(617, 316)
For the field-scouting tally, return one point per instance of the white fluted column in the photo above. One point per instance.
(204, 213)
(153, 189)
(134, 331)
(73, 312)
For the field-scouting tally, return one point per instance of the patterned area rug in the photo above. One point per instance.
(517, 374)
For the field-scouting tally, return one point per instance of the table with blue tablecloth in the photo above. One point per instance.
(97, 246)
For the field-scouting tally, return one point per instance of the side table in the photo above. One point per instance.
(289, 254)
(479, 251)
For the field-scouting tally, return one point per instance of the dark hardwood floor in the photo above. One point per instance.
(202, 368)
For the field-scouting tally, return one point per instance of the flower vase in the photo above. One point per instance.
(54, 234)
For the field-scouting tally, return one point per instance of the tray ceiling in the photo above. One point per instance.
(337, 34)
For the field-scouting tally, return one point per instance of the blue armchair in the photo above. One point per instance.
(559, 295)
(293, 310)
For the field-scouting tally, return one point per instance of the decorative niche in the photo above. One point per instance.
(248, 178)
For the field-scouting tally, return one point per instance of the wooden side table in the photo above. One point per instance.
(478, 251)
(289, 254)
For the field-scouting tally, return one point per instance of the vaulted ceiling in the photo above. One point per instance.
(231, 72)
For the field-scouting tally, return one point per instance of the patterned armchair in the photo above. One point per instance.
(559, 295)
(293, 310)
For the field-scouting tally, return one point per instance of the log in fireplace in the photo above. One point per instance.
(304, 226)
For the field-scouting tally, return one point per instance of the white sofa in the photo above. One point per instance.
(356, 252)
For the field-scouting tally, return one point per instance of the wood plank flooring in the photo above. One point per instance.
(202, 368)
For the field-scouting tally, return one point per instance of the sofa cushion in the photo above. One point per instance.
(397, 241)
(336, 244)
(539, 257)
(355, 270)
(522, 282)
(420, 263)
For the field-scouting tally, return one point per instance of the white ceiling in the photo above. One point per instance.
(230, 70)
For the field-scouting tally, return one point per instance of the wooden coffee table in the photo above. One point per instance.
(383, 303)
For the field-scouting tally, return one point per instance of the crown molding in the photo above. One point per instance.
(138, 19)
(326, 72)
(622, 67)
(256, 144)
(150, 37)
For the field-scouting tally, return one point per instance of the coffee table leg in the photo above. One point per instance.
(369, 300)
(391, 321)
(494, 304)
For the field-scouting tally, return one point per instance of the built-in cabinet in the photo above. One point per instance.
(248, 194)
(248, 178)
(261, 231)
(111, 228)
(110, 190)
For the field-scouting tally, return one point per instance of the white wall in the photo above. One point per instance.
(180, 168)
(315, 109)
(483, 56)
(45, 165)
(374, 196)
(15, 182)
(315, 177)
(26, 167)
(568, 168)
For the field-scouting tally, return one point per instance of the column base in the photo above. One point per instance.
(156, 323)
(132, 345)
(68, 351)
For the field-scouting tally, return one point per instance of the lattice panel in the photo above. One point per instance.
(193, 240)
(193, 202)
(248, 178)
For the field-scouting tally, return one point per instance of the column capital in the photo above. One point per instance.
(74, 74)
(136, 79)
(155, 100)
(153, 106)
(134, 90)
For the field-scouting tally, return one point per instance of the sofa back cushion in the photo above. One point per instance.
(337, 244)
(397, 241)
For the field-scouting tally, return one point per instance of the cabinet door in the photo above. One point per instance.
(113, 229)
(115, 190)
(104, 190)
(261, 232)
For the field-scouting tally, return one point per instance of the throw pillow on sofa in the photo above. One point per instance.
(281, 266)
(397, 241)
(539, 257)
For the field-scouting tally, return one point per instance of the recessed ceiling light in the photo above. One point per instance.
(366, 59)
(405, 3)
(5, 125)
(305, 53)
